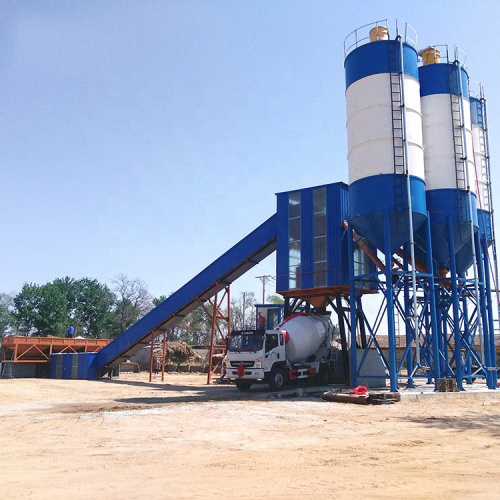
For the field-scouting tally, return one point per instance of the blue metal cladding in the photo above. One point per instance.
(86, 366)
(372, 196)
(244, 255)
(476, 112)
(76, 366)
(282, 267)
(373, 58)
(435, 79)
(484, 221)
(55, 366)
(62, 365)
(452, 204)
(307, 239)
(337, 206)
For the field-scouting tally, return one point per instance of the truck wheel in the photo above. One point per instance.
(323, 375)
(243, 385)
(277, 379)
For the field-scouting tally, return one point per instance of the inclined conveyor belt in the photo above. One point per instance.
(251, 250)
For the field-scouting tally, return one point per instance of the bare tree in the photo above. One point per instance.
(133, 300)
(243, 311)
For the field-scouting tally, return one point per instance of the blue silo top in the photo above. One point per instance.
(372, 59)
(441, 79)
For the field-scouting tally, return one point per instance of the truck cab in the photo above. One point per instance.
(252, 354)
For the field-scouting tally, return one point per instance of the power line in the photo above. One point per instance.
(265, 279)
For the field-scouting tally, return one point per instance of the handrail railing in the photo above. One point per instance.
(353, 41)
(361, 36)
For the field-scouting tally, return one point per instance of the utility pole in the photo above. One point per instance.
(264, 280)
(243, 310)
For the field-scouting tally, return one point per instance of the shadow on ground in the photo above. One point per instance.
(487, 423)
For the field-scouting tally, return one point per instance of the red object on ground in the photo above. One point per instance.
(361, 390)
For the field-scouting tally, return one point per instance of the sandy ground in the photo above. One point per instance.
(129, 438)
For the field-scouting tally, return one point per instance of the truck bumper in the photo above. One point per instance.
(250, 374)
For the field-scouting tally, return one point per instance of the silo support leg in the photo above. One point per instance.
(494, 373)
(353, 363)
(390, 305)
(456, 313)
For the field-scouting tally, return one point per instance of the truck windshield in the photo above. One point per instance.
(247, 340)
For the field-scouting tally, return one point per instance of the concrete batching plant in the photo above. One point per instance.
(413, 227)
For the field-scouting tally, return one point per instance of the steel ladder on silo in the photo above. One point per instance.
(398, 137)
(485, 195)
(457, 122)
(486, 175)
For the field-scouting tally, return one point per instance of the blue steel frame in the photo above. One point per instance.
(467, 344)
(450, 343)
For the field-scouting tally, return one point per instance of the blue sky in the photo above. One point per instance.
(147, 137)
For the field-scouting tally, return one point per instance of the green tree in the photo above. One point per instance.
(198, 327)
(40, 310)
(158, 300)
(49, 309)
(275, 299)
(69, 289)
(93, 308)
(6, 318)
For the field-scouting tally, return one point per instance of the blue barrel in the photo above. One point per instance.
(448, 185)
(377, 183)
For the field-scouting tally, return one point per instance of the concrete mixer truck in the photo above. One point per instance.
(300, 348)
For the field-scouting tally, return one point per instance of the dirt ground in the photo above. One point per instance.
(127, 438)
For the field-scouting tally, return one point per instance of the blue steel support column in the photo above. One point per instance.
(489, 304)
(430, 363)
(432, 305)
(353, 362)
(467, 360)
(390, 304)
(482, 310)
(440, 332)
(447, 372)
(409, 332)
(456, 315)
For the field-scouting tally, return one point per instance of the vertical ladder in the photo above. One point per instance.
(487, 178)
(485, 194)
(397, 329)
(398, 138)
(467, 201)
(454, 74)
(6, 370)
